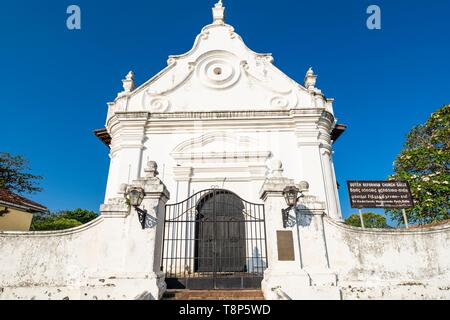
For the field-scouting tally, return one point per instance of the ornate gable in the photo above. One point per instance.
(219, 73)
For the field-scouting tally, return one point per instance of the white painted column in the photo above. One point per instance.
(314, 143)
(183, 231)
(330, 184)
(279, 274)
(182, 176)
(306, 275)
(147, 247)
(111, 183)
(311, 167)
(128, 135)
(308, 128)
(129, 257)
(336, 192)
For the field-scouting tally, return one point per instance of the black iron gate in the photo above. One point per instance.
(214, 240)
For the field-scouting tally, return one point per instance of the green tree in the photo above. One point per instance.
(54, 223)
(371, 220)
(80, 215)
(61, 220)
(424, 162)
(14, 174)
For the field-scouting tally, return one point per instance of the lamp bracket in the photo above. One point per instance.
(285, 215)
(146, 220)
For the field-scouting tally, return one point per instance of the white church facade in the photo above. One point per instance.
(217, 115)
(202, 156)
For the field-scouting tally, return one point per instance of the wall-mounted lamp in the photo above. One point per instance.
(291, 195)
(135, 196)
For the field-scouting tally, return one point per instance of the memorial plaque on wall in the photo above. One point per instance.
(285, 244)
(380, 194)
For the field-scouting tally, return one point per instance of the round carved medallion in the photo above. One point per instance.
(219, 70)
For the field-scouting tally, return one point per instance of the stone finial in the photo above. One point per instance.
(130, 75)
(122, 188)
(151, 171)
(310, 79)
(218, 13)
(128, 82)
(276, 168)
(303, 186)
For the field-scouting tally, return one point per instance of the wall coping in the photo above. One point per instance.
(55, 233)
(427, 230)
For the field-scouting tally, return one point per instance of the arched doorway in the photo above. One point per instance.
(220, 233)
(214, 240)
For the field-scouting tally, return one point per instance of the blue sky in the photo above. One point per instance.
(55, 82)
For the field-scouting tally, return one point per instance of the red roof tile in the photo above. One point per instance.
(8, 198)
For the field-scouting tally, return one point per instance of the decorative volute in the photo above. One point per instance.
(218, 13)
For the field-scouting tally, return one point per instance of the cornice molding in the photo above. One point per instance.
(297, 116)
(305, 123)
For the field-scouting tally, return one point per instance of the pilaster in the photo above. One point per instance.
(298, 263)
(182, 176)
(127, 145)
(286, 273)
(131, 251)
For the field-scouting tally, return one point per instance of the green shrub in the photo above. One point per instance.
(61, 220)
(371, 220)
(55, 223)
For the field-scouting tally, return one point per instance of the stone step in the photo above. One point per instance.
(213, 295)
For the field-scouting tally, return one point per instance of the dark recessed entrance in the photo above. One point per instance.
(214, 240)
(220, 234)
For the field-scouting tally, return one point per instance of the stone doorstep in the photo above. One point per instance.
(213, 295)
